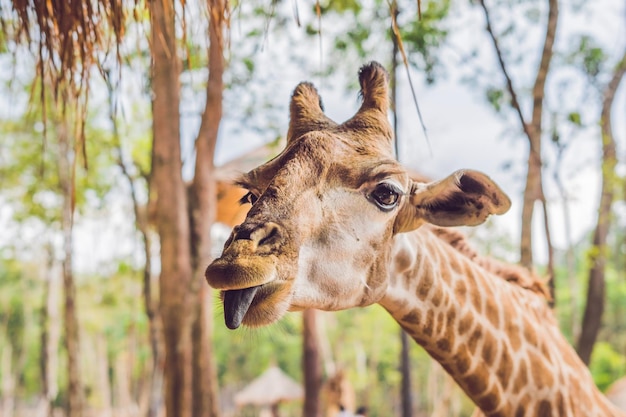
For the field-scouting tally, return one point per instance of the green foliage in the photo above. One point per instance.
(426, 35)
(608, 361)
(29, 163)
(589, 55)
(574, 118)
(495, 97)
(365, 22)
(607, 365)
(20, 304)
(244, 354)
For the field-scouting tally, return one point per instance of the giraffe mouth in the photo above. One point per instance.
(236, 305)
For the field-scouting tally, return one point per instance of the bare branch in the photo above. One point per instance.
(509, 82)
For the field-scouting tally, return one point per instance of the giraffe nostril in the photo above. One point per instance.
(271, 234)
(264, 234)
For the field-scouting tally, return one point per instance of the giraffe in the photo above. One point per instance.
(336, 222)
(337, 392)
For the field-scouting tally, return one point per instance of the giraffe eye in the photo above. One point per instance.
(386, 196)
(249, 198)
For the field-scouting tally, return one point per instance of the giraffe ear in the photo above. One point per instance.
(465, 198)
(306, 112)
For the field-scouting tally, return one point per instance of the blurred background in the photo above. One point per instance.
(123, 124)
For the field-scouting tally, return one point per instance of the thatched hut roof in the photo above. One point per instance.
(271, 387)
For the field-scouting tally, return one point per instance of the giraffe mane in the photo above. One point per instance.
(515, 274)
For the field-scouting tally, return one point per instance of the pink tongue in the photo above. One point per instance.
(236, 305)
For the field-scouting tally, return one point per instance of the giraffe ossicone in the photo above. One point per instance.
(336, 223)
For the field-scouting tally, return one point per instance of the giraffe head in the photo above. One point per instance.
(325, 210)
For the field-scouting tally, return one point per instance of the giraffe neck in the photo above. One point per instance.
(500, 342)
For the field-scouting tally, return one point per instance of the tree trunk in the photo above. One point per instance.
(171, 209)
(104, 382)
(311, 364)
(406, 399)
(71, 339)
(533, 191)
(592, 318)
(203, 203)
(534, 182)
(48, 359)
(405, 370)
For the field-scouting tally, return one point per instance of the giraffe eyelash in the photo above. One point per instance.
(248, 198)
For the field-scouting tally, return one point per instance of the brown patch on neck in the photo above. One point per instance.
(514, 274)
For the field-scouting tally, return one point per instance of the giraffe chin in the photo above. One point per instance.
(256, 306)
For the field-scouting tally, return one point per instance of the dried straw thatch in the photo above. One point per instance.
(271, 387)
(67, 35)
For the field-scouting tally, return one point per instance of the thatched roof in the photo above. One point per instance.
(271, 387)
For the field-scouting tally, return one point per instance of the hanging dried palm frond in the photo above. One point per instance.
(67, 35)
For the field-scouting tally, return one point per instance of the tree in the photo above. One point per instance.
(184, 215)
(70, 319)
(533, 130)
(592, 318)
(311, 364)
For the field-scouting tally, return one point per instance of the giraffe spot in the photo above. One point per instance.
(440, 323)
(445, 300)
(425, 285)
(403, 260)
(541, 374)
(462, 360)
(529, 333)
(492, 312)
(490, 401)
(544, 409)
(505, 367)
(570, 357)
(477, 382)
(473, 340)
(523, 403)
(476, 299)
(447, 367)
(428, 323)
(465, 324)
(445, 274)
(436, 297)
(450, 330)
(460, 291)
(560, 405)
(580, 396)
(444, 345)
(546, 352)
(412, 317)
(521, 378)
(489, 347)
(419, 340)
(450, 317)
(514, 335)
